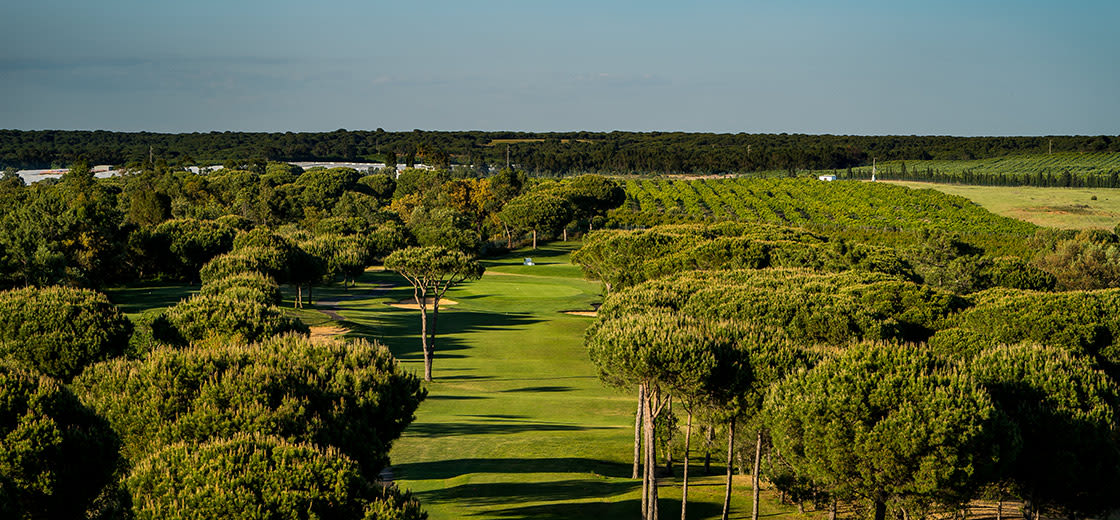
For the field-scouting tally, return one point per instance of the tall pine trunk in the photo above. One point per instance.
(422, 300)
(684, 486)
(653, 397)
(880, 510)
(534, 239)
(754, 474)
(730, 453)
(638, 430)
(645, 461)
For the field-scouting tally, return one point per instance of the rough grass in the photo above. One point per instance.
(1067, 208)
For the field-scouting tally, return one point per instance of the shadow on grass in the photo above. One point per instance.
(505, 492)
(447, 429)
(455, 397)
(400, 329)
(667, 508)
(541, 389)
(445, 469)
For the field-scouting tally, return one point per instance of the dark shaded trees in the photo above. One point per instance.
(59, 330)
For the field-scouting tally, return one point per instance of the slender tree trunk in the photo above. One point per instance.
(509, 239)
(565, 233)
(684, 486)
(534, 239)
(709, 432)
(644, 414)
(653, 397)
(299, 295)
(730, 454)
(880, 510)
(999, 507)
(638, 430)
(423, 301)
(832, 509)
(754, 474)
(432, 329)
(669, 445)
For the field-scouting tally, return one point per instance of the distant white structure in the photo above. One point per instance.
(33, 176)
(826, 177)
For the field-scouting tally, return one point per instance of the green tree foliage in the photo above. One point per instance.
(59, 330)
(277, 263)
(812, 307)
(350, 395)
(537, 211)
(223, 317)
(252, 286)
(1086, 323)
(660, 353)
(444, 227)
(192, 243)
(890, 424)
(432, 271)
(1088, 260)
(380, 186)
(268, 476)
(592, 196)
(1063, 412)
(625, 258)
(56, 456)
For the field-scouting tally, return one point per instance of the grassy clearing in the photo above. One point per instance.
(516, 423)
(1067, 208)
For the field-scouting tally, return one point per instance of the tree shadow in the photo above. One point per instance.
(450, 468)
(501, 492)
(447, 429)
(541, 389)
(455, 397)
(668, 508)
(399, 329)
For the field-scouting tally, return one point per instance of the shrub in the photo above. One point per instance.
(270, 261)
(253, 286)
(59, 330)
(347, 394)
(55, 455)
(202, 317)
(273, 478)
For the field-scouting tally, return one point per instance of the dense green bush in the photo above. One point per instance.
(270, 261)
(202, 317)
(348, 394)
(890, 424)
(250, 476)
(1083, 322)
(59, 330)
(252, 286)
(812, 307)
(56, 456)
(192, 243)
(1063, 414)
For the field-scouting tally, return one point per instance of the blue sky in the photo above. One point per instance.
(859, 67)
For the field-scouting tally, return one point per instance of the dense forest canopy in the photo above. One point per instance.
(541, 153)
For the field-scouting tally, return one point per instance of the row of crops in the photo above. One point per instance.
(839, 205)
(1071, 169)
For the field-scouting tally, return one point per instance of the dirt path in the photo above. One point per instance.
(331, 308)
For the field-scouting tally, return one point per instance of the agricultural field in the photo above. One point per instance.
(845, 206)
(1066, 169)
(1065, 208)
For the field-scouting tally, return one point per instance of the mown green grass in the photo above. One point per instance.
(1066, 208)
(516, 423)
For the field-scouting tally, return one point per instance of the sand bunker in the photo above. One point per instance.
(328, 331)
(591, 314)
(410, 303)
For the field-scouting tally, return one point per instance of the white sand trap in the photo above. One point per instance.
(591, 314)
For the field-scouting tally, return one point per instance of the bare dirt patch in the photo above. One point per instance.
(411, 303)
(591, 314)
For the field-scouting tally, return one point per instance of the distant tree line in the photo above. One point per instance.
(553, 153)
